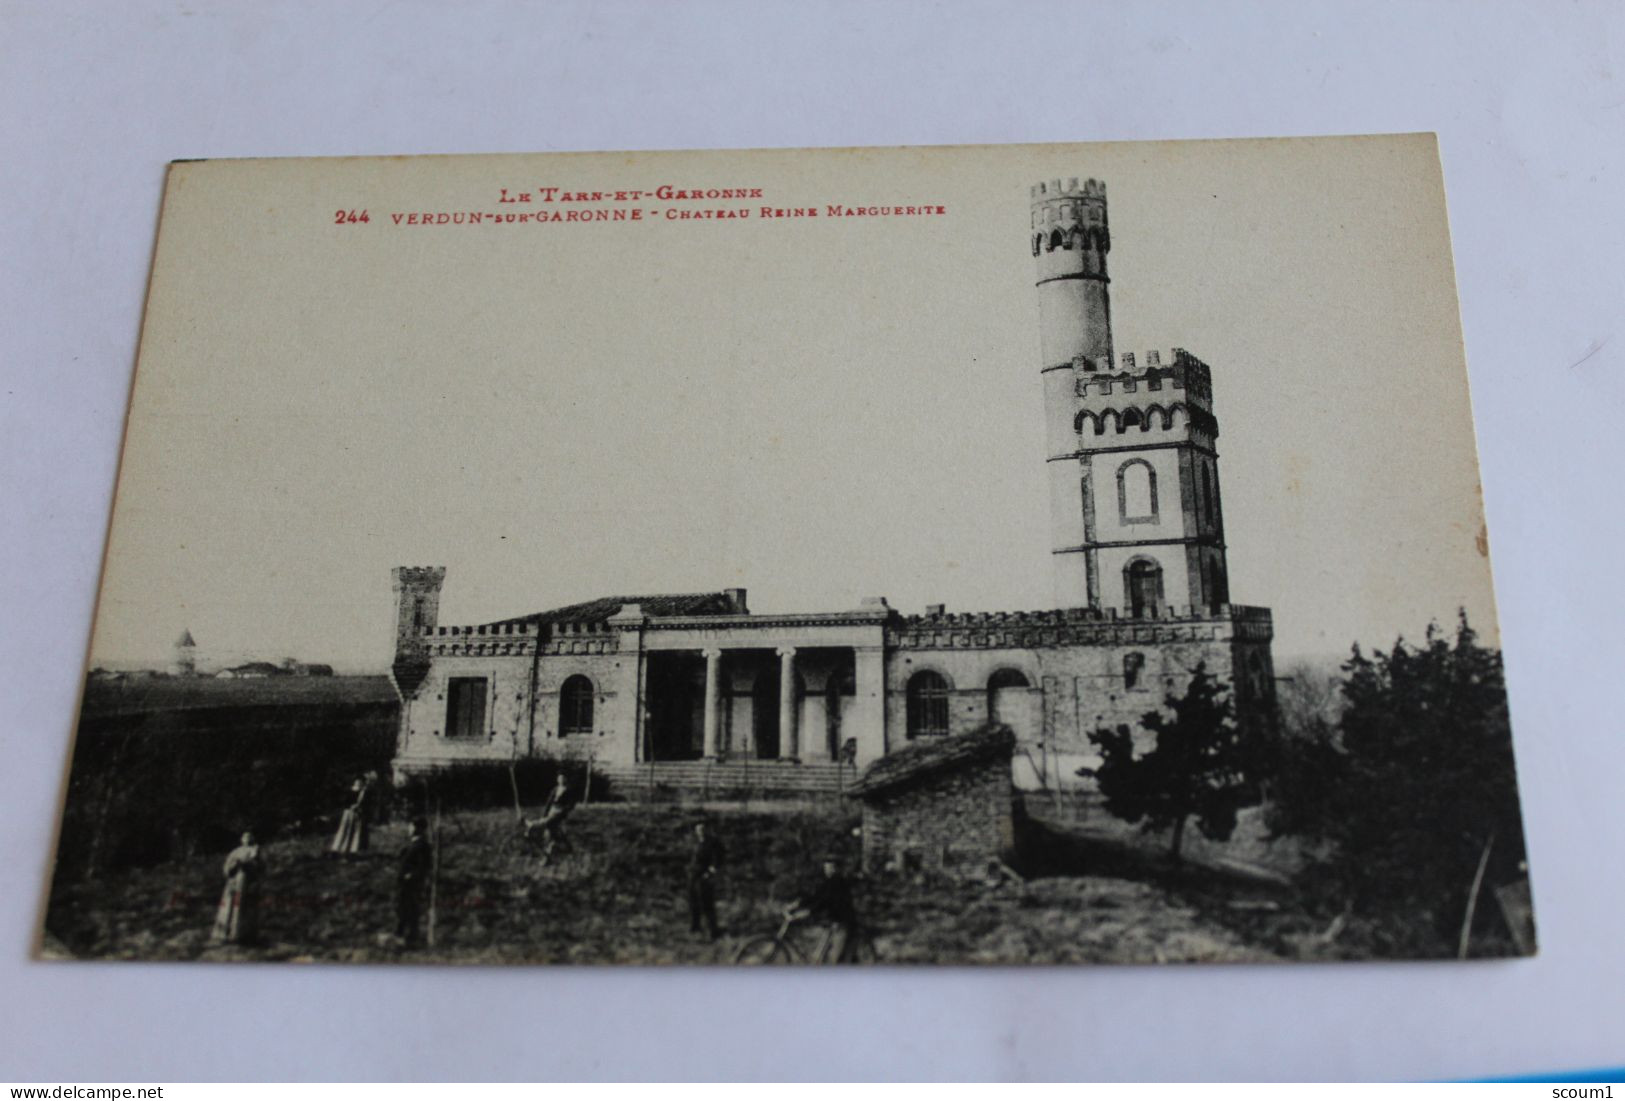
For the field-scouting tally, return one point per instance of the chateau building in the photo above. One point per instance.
(1141, 599)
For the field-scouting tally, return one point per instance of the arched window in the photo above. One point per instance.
(1142, 585)
(1056, 240)
(575, 706)
(1136, 493)
(1131, 419)
(1207, 496)
(417, 615)
(927, 705)
(1133, 665)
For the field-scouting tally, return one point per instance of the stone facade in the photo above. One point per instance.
(1141, 580)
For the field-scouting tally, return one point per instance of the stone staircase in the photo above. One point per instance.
(729, 777)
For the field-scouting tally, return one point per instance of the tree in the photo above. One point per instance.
(1309, 696)
(1414, 789)
(1197, 766)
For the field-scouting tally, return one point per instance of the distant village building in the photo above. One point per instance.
(250, 669)
(944, 804)
(185, 663)
(288, 668)
(1142, 599)
(292, 667)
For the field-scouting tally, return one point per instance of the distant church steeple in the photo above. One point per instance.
(185, 655)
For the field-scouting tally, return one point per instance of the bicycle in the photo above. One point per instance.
(779, 948)
(538, 839)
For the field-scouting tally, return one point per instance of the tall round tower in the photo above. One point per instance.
(1070, 240)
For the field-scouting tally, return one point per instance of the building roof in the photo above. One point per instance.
(185, 639)
(256, 667)
(930, 756)
(659, 604)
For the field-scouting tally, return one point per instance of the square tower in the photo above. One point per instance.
(1135, 519)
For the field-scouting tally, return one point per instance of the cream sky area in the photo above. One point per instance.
(819, 409)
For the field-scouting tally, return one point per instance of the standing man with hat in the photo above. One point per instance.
(703, 861)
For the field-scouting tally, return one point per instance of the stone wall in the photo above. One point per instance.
(1075, 670)
(953, 821)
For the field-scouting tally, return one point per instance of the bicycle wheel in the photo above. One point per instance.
(515, 846)
(766, 950)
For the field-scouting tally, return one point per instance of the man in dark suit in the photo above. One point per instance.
(831, 903)
(703, 861)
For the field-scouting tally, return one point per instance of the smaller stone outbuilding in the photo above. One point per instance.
(946, 804)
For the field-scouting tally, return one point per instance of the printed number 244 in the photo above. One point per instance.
(349, 217)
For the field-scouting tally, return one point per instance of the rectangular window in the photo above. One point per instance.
(465, 707)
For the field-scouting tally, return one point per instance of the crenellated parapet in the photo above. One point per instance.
(1055, 190)
(1078, 627)
(1145, 373)
(418, 577)
(1159, 393)
(520, 637)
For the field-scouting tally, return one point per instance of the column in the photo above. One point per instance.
(789, 734)
(713, 702)
(869, 707)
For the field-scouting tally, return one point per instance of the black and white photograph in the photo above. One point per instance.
(978, 555)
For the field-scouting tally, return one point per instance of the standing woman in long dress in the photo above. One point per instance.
(351, 837)
(238, 919)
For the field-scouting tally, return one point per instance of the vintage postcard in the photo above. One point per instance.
(1025, 554)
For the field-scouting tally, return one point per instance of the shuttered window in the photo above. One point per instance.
(465, 707)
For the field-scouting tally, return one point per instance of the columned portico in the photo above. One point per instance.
(732, 687)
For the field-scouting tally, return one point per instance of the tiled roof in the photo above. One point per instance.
(659, 604)
(929, 756)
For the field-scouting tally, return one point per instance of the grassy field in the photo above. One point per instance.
(619, 898)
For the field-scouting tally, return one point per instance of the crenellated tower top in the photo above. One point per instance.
(1070, 188)
(1070, 239)
(417, 612)
(1071, 233)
